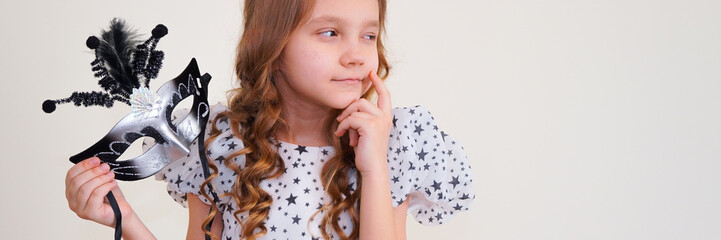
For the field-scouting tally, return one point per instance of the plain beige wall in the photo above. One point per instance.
(582, 119)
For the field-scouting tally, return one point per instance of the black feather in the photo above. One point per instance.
(115, 49)
(120, 64)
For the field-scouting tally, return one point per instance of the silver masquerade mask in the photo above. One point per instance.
(122, 63)
(151, 117)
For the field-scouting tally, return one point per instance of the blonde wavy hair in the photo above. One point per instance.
(256, 106)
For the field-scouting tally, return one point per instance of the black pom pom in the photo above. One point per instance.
(160, 31)
(49, 106)
(92, 42)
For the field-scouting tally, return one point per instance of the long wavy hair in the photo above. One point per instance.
(256, 105)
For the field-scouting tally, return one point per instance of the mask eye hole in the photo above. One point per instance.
(137, 147)
(180, 110)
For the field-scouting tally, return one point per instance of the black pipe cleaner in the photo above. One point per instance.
(122, 63)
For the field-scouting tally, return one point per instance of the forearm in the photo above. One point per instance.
(376, 208)
(133, 229)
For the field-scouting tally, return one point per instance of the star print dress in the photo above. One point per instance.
(425, 165)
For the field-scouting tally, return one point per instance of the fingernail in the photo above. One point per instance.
(94, 161)
(104, 167)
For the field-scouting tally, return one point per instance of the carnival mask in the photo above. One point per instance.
(121, 63)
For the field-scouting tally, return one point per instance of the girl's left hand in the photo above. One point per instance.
(369, 127)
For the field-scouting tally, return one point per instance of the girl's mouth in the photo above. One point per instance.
(349, 80)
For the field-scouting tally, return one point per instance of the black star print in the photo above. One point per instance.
(296, 219)
(464, 197)
(418, 130)
(231, 146)
(291, 199)
(395, 179)
(422, 154)
(436, 185)
(458, 207)
(272, 228)
(296, 180)
(394, 121)
(229, 208)
(178, 181)
(443, 134)
(301, 149)
(412, 111)
(454, 182)
(325, 152)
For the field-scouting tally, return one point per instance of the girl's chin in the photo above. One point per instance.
(343, 103)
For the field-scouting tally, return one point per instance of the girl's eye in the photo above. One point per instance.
(370, 37)
(329, 33)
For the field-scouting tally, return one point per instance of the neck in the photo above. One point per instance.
(306, 122)
(306, 125)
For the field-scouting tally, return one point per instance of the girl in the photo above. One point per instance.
(300, 152)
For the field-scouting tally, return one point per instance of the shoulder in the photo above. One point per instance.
(429, 164)
(414, 112)
(416, 119)
(414, 127)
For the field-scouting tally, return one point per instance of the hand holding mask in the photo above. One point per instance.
(122, 63)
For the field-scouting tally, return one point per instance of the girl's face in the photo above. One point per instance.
(327, 59)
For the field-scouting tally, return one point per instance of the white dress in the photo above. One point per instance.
(423, 161)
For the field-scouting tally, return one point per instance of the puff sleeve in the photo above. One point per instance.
(428, 167)
(185, 174)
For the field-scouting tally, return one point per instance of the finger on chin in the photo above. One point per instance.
(384, 101)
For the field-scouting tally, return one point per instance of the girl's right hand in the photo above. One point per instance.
(86, 185)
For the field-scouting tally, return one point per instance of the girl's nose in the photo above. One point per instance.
(352, 54)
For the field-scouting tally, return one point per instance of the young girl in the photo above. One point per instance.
(300, 152)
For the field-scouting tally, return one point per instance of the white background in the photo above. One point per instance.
(582, 119)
